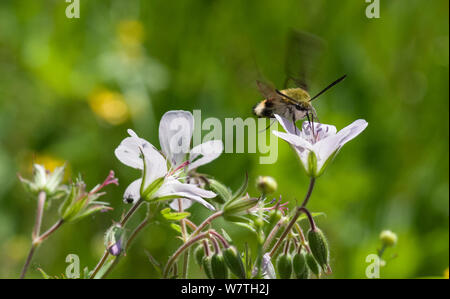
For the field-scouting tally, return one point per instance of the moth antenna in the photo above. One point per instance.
(328, 87)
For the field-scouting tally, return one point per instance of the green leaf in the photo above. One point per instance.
(222, 191)
(312, 164)
(240, 192)
(247, 226)
(176, 227)
(89, 211)
(175, 216)
(330, 159)
(152, 188)
(44, 275)
(226, 236)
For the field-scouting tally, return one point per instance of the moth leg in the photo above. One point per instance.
(293, 120)
(311, 125)
(273, 121)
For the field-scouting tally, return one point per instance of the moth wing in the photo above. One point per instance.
(303, 52)
(268, 91)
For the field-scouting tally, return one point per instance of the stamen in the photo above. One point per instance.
(182, 165)
(110, 179)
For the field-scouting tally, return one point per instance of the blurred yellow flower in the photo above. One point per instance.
(48, 161)
(130, 32)
(110, 106)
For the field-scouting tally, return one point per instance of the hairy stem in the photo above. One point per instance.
(298, 211)
(39, 214)
(206, 222)
(273, 233)
(136, 231)
(220, 238)
(35, 233)
(27, 262)
(122, 223)
(181, 249)
(185, 238)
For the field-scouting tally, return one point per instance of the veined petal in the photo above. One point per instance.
(132, 193)
(173, 187)
(156, 167)
(175, 134)
(321, 131)
(128, 151)
(295, 140)
(326, 147)
(185, 203)
(351, 131)
(204, 153)
(288, 125)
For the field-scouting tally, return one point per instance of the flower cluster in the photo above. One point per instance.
(169, 184)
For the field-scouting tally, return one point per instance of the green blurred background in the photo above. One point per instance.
(69, 89)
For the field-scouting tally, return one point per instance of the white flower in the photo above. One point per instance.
(317, 146)
(158, 182)
(44, 180)
(267, 269)
(175, 133)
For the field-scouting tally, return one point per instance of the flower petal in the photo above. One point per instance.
(209, 151)
(321, 131)
(293, 139)
(156, 167)
(352, 130)
(175, 133)
(326, 147)
(185, 203)
(288, 125)
(128, 151)
(174, 187)
(133, 192)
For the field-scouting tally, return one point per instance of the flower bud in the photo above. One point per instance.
(319, 248)
(206, 262)
(199, 253)
(239, 206)
(266, 184)
(114, 238)
(44, 180)
(218, 267)
(312, 264)
(388, 238)
(234, 261)
(301, 271)
(284, 265)
(274, 216)
(223, 192)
